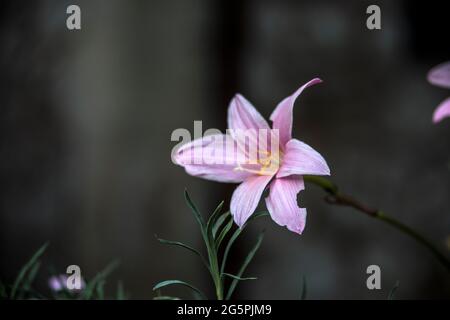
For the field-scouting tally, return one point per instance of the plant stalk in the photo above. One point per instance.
(214, 267)
(335, 197)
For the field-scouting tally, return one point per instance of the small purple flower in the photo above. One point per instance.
(59, 283)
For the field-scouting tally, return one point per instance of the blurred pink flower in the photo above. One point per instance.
(440, 76)
(59, 283)
(280, 163)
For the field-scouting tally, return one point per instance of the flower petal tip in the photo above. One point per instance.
(236, 98)
(440, 75)
(442, 111)
(308, 84)
(437, 119)
(298, 229)
(237, 221)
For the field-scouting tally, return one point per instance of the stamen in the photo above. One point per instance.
(269, 164)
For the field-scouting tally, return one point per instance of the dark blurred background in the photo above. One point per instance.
(86, 118)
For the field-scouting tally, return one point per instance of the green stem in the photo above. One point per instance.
(337, 198)
(217, 278)
(214, 267)
(219, 290)
(418, 237)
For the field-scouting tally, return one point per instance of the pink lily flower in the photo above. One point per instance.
(440, 76)
(280, 163)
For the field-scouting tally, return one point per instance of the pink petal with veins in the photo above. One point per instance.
(282, 116)
(242, 115)
(301, 159)
(213, 158)
(244, 122)
(246, 197)
(282, 203)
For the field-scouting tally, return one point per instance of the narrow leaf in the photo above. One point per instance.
(238, 278)
(33, 273)
(165, 298)
(219, 223)
(120, 291)
(212, 219)
(208, 238)
(26, 286)
(100, 290)
(26, 268)
(194, 209)
(244, 266)
(197, 296)
(185, 246)
(166, 283)
(236, 235)
(91, 287)
(393, 290)
(223, 233)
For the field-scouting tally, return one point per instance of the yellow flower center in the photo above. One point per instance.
(267, 163)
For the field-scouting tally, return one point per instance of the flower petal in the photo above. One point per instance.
(300, 159)
(246, 197)
(247, 126)
(442, 111)
(242, 115)
(283, 113)
(214, 157)
(440, 75)
(282, 203)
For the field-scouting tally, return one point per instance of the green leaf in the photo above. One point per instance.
(185, 246)
(304, 289)
(29, 265)
(197, 296)
(236, 235)
(91, 287)
(219, 223)
(244, 266)
(101, 290)
(393, 290)
(28, 281)
(166, 283)
(211, 249)
(238, 278)
(223, 233)
(195, 211)
(120, 291)
(166, 298)
(33, 273)
(206, 232)
(212, 220)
